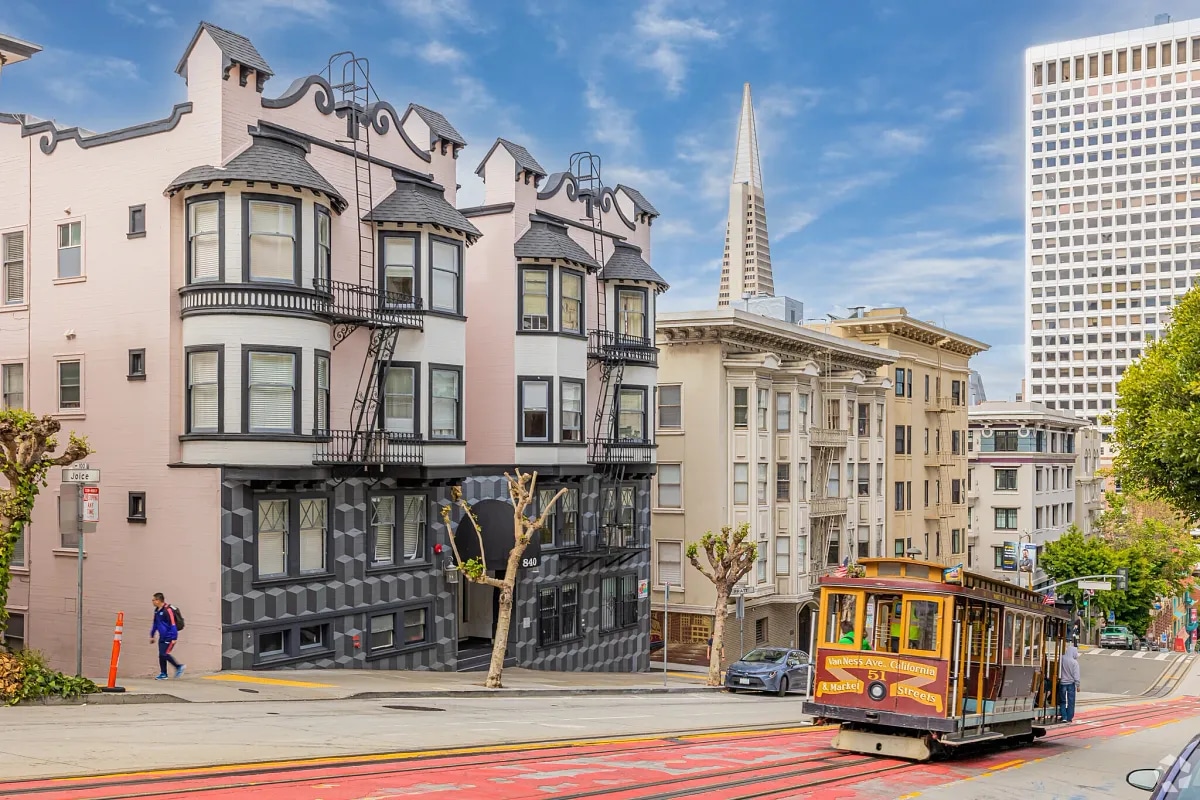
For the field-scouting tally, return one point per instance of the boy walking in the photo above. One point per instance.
(164, 625)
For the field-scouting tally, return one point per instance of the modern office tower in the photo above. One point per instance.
(1113, 217)
(746, 266)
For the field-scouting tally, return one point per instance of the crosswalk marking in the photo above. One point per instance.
(1140, 654)
(1113, 653)
(1156, 656)
(1159, 657)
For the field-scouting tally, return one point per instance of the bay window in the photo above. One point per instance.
(572, 411)
(445, 258)
(535, 410)
(535, 299)
(272, 233)
(400, 399)
(631, 415)
(205, 258)
(204, 391)
(399, 269)
(445, 404)
(631, 313)
(324, 239)
(321, 386)
(571, 306)
(272, 401)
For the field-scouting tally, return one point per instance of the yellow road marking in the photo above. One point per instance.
(414, 754)
(909, 796)
(267, 681)
(1160, 724)
(1007, 764)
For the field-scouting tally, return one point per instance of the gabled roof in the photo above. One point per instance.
(525, 160)
(421, 203)
(640, 203)
(236, 48)
(271, 158)
(626, 264)
(549, 239)
(439, 126)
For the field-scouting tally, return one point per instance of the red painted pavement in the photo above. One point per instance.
(787, 764)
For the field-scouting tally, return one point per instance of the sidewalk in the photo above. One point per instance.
(339, 684)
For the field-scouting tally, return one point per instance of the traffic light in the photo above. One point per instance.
(1122, 578)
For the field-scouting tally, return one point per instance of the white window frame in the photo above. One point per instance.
(322, 364)
(400, 270)
(573, 302)
(252, 233)
(323, 237)
(6, 395)
(314, 534)
(14, 267)
(572, 406)
(435, 399)
(251, 388)
(59, 225)
(216, 426)
(661, 545)
(275, 535)
(391, 424)
(531, 321)
(196, 236)
(660, 484)
(547, 410)
(58, 384)
(741, 484)
(658, 418)
(456, 275)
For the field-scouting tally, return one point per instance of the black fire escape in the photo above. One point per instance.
(370, 303)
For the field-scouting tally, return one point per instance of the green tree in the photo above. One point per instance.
(1157, 425)
(27, 445)
(1074, 555)
(730, 553)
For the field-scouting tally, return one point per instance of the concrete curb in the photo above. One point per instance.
(131, 699)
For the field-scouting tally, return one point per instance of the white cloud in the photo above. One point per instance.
(436, 15)
(793, 222)
(264, 14)
(666, 41)
(78, 84)
(901, 142)
(442, 54)
(141, 12)
(955, 104)
(610, 123)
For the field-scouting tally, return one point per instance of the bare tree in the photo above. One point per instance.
(730, 556)
(27, 444)
(522, 489)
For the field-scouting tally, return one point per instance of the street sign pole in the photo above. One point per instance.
(665, 628)
(79, 583)
(812, 647)
(85, 481)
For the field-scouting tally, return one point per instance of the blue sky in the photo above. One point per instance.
(890, 130)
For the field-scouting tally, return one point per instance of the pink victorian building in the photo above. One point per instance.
(285, 342)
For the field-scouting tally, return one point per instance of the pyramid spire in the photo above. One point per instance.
(746, 167)
(746, 267)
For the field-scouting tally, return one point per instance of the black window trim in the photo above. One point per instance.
(137, 376)
(293, 575)
(557, 587)
(130, 515)
(415, 366)
(133, 232)
(294, 653)
(550, 295)
(297, 250)
(646, 320)
(558, 517)
(400, 565)
(458, 300)
(381, 268)
(325, 354)
(582, 332)
(647, 417)
(582, 383)
(297, 390)
(187, 222)
(617, 625)
(550, 417)
(397, 610)
(219, 349)
(459, 435)
(320, 210)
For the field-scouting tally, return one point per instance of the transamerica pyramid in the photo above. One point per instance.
(746, 267)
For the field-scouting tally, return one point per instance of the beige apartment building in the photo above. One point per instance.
(770, 423)
(927, 429)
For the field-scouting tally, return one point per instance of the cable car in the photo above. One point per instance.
(914, 659)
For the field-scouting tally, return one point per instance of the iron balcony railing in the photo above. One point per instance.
(827, 507)
(620, 451)
(613, 346)
(216, 298)
(356, 302)
(373, 448)
(827, 437)
(621, 537)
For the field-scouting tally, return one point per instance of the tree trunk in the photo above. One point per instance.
(500, 643)
(720, 612)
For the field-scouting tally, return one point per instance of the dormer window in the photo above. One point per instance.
(272, 231)
(631, 312)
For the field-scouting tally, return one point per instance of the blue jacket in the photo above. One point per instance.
(164, 625)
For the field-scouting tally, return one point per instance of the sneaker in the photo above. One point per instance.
(179, 670)
(162, 676)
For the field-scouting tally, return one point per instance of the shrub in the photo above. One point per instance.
(24, 675)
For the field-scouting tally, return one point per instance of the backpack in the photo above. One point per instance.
(179, 623)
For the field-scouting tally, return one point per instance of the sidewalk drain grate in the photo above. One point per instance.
(414, 708)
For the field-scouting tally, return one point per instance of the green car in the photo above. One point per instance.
(1115, 636)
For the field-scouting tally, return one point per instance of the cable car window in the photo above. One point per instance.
(1009, 625)
(1037, 642)
(1027, 650)
(882, 624)
(923, 622)
(841, 618)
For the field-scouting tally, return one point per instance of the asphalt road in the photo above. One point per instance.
(1123, 672)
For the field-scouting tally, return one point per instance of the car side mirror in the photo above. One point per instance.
(1145, 779)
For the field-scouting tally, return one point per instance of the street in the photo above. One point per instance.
(623, 745)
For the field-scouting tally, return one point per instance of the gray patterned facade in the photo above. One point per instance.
(342, 600)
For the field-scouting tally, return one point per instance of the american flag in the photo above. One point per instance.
(1048, 599)
(843, 570)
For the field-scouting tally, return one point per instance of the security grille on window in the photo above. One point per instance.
(70, 250)
(670, 564)
(272, 241)
(14, 385)
(324, 239)
(272, 537)
(535, 411)
(321, 407)
(535, 300)
(670, 408)
(558, 613)
(572, 303)
(445, 272)
(572, 412)
(313, 523)
(631, 417)
(203, 395)
(272, 392)
(12, 251)
(204, 240)
(399, 270)
(444, 405)
(618, 602)
(617, 512)
(400, 400)
(70, 395)
(631, 313)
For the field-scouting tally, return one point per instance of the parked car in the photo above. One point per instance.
(770, 669)
(1179, 781)
(1115, 636)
